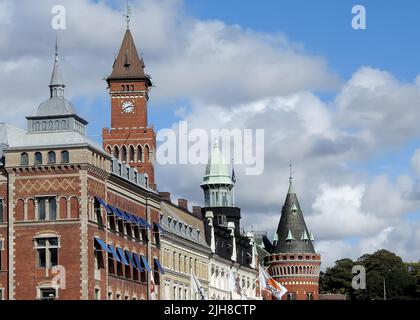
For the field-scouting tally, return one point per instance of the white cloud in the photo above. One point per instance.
(337, 213)
(415, 162)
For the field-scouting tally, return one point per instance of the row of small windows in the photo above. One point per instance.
(295, 270)
(183, 264)
(123, 228)
(292, 296)
(50, 125)
(51, 158)
(130, 154)
(127, 87)
(290, 257)
(47, 208)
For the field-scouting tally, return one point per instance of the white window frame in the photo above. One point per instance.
(47, 247)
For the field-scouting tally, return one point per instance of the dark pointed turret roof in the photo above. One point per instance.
(292, 234)
(128, 64)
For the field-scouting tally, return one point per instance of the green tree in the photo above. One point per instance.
(337, 279)
(384, 269)
(386, 274)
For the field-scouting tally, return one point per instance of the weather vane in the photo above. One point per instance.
(127, 15)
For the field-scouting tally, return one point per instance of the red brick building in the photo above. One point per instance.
(130, 139)
(293, 261)
(75, 222)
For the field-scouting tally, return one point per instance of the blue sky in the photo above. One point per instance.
(324, 28)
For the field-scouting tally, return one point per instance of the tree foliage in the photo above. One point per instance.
(383, 268)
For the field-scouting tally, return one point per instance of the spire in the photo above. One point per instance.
(56, 83)
(128, 65)
(56, 113)
(217, 181)
(292, 224)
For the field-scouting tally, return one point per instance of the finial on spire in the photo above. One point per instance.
(127, 15)
(56, 48)
(291, 189)
(291, 172)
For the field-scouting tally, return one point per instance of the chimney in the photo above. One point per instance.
(165, 196)
(183, 203)
(196, 210)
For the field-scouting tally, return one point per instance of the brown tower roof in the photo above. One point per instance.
(128, 64)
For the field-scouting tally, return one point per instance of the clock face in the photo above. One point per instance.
(127, 107)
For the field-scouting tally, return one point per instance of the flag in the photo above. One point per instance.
(233, 175)
(268, 283)
(152, 287)
(234, 283)
(196, 287)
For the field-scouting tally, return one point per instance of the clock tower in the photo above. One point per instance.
(130, 138)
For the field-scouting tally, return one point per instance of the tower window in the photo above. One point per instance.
(124, 154)
(38, 158)
(139, 154)
(116, 152)
(131, 154)
(24, 159)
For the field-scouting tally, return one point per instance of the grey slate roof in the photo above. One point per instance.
(16, 138)
(56, 106)
(292, 221)
(167, 222)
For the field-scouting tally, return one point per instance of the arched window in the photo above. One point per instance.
(51, 157)
(108, 150)
(116, 152)
(38, 158)
(132, 87)
(124, 154)
(24, 159)
(139, 154)
(131, 154)
(65, 156)
(146, 153)
(53, 209)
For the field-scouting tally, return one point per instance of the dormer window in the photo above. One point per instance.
(304, 237)
(289, 238)
(38, 158)
(294, 209)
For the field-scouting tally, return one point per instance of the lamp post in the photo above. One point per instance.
(389, 270)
